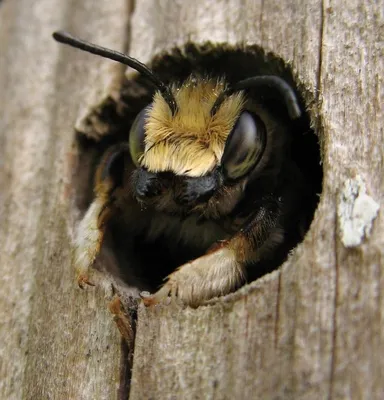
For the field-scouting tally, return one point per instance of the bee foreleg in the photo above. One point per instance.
(90, 232)
(223, 268)
(89, 237)
(211, 275)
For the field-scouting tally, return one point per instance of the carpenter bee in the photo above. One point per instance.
(207, 169)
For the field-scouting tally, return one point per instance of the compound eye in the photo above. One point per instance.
(137, 135)
(244, 147)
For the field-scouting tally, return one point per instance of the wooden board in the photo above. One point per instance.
(56, 341)
(312, 329)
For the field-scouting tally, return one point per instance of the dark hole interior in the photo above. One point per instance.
(233, 63)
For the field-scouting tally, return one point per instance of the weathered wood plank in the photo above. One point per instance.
(312, 329)
(56, 341)
(352, 88)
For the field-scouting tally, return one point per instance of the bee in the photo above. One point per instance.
(207, 170)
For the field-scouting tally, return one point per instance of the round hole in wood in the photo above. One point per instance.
(145, 263)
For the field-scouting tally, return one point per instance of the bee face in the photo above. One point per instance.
(187, 162)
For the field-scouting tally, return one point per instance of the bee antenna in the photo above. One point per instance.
(264, 81)
(67, 38)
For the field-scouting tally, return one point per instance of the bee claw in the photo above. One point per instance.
(148, 298)
(149, 301)
(83, 281)
(161, 296)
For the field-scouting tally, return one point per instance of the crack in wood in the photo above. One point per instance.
(334, 333)
(320, 61)
(277, 312)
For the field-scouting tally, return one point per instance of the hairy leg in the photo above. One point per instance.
(91, 230)
(223, 268)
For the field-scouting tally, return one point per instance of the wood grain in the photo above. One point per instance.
(56, 341)
(313, 329)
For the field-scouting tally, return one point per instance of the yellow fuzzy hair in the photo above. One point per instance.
(192, 141)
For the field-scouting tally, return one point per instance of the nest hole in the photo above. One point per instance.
(235, 63)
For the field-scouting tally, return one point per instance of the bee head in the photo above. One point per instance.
(178, 155)
(196, 144)
(200, 157)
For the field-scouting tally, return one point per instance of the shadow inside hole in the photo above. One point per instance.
(145, 264)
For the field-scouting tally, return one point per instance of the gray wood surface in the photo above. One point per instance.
(311, 330)
(56, 341)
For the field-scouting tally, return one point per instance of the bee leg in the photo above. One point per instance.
(89, 238)
(214, 274)
(223, 268)
(91, 230)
